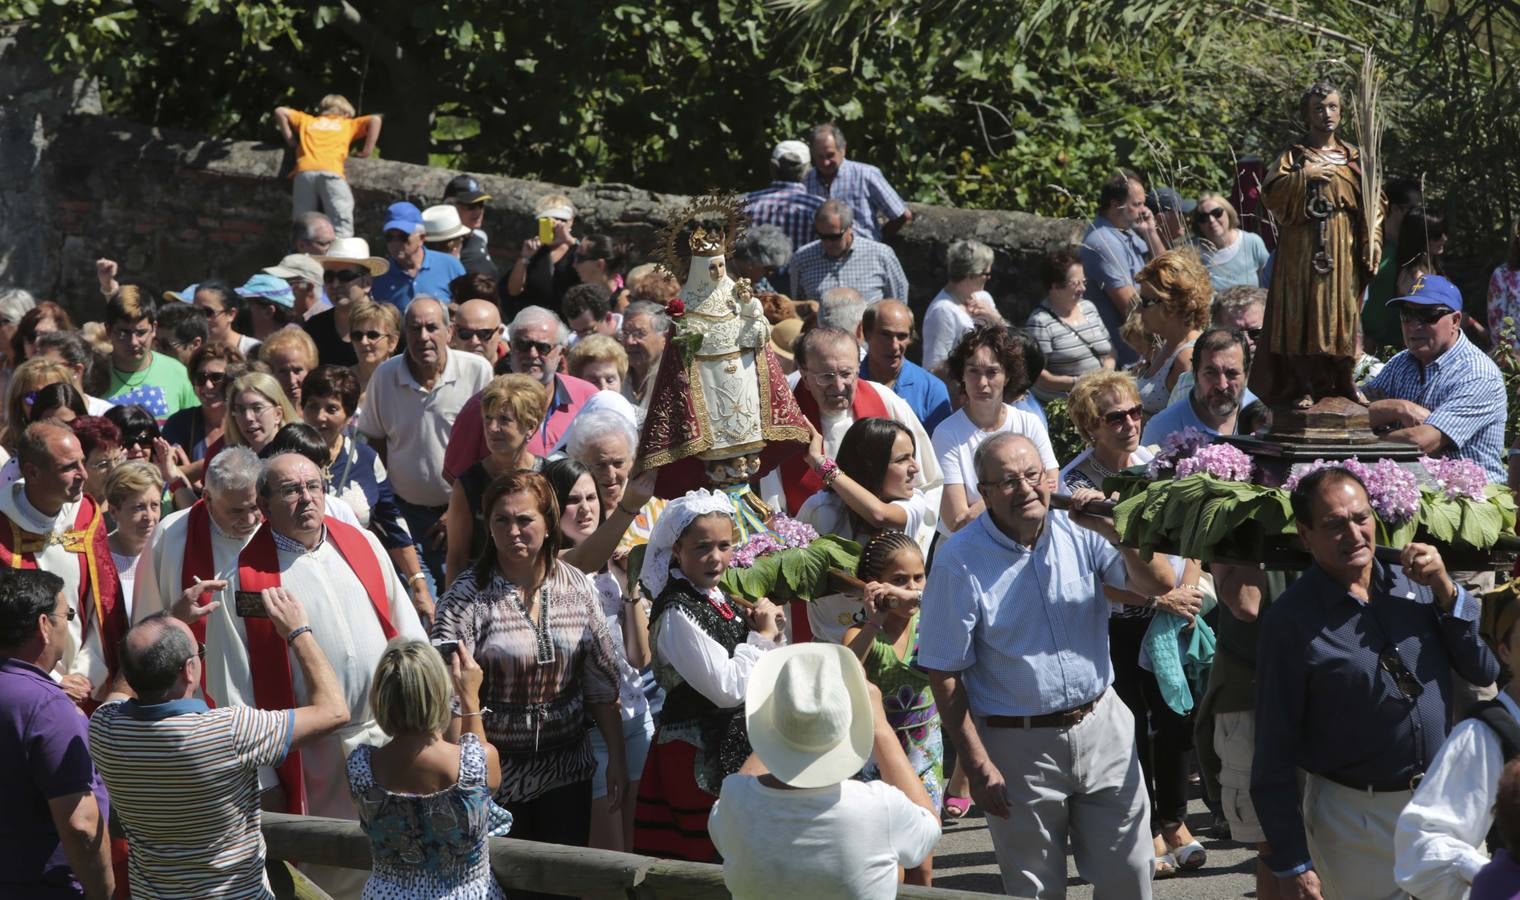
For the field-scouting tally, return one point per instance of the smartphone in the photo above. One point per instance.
(546, 230)
(446, 649)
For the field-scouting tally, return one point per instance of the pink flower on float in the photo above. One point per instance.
(1223, 461)
(1392, 489)
(1457, 477)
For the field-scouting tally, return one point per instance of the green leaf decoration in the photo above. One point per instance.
(1441, 517)
(801, 572)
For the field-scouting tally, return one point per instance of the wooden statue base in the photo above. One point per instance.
(1333, 428)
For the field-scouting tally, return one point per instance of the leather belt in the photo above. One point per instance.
(1378, 787)
(1066, 718)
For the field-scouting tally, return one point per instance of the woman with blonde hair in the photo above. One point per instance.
(544, 270)
(1174, 293)
(600, 360)
(424, 798)
(374, 330)
(289, 353)
(511, 409)
(1232, 256)
(135, 492)
(28, 378)
(257, 409)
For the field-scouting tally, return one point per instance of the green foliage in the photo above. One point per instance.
(1024, 105)
(1509, 366)
(801, 572)
(1065, 442)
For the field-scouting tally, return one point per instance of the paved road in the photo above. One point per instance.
(964, 861)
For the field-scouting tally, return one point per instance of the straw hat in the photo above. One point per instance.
(442, 224)
(809, 714)
(351, 252)
(784, 336)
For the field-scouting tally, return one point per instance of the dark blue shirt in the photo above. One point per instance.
(924, 393)
(398, 288)
(1325, 705)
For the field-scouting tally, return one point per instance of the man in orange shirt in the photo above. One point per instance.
(321, 143)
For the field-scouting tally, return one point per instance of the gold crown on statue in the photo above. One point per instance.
(704, 241)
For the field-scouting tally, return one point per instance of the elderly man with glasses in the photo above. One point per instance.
(477, 330)
(1441, 393)
(842, 258)
(414, 269)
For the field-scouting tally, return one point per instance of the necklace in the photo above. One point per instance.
(543, 645)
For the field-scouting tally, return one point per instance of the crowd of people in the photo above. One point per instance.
(351, 537)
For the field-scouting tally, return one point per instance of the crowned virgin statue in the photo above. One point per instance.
(720, 412)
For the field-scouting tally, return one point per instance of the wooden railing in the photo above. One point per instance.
(525, 865)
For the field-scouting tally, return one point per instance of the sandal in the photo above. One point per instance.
(1190, 856)
(955, 807)
(1165, 866)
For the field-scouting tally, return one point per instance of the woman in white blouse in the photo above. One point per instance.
(962, 304)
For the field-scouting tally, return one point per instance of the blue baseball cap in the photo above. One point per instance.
(402, 216)
(185, 296)
(1432, 290)
(269, 288)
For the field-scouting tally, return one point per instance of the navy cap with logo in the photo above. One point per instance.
(464, 189)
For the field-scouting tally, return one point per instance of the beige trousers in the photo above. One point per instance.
(1350, 836)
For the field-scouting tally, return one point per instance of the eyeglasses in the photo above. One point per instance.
(296, 491)
(523, 345)
(140, 439)
(107, 463)
(823, 379)
(1253, 333)
(1215, 213)
(215, 379)
(634, 334)
(483, 335)
(356, 336)
(68, 613)
(253, 409)
(343, 276)
(1423, 315)
(1118, 417)
(1148, 302)
(831, 237)
(210, 313)
(1390, 661)
(1031, 478)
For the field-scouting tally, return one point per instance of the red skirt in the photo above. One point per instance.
(670, 820)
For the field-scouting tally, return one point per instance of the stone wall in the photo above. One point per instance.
(174, 207)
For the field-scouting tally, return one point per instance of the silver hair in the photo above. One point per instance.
(14, 303)
(967, 258)
(827, 128)
(658, 320)
(598, 423)
(842, 308)
(765, 245)
(234, 469)
(306, 224)
(1237, 299)
(532, 315)
(991, 446)
(833, 208)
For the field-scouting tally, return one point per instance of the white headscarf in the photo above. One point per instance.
(679, 514)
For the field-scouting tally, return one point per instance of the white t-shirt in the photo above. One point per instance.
(944, 323)
(808, 842)
(829, 616)
(956, 440)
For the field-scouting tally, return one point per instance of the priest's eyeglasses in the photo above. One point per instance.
(295, 491)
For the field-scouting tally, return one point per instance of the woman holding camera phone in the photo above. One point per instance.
(545, 268)
(536, 627)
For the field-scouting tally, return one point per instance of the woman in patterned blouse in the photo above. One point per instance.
(537, 630)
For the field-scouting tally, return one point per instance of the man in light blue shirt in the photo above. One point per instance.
(1014, 634)
(1221, 360)
(415, 270)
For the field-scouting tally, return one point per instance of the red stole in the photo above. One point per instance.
(268, 655)
(798, 479)
(99, 601)
(199, 562)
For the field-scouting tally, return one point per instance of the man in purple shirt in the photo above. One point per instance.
(53, 840)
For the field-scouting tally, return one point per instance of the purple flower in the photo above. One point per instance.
(1178, 445)
(1457, 477)
(785, 533)
(1223, 461)
(1393, 490)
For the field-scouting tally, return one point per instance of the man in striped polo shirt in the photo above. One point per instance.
(193, 826)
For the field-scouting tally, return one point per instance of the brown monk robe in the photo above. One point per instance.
(1311, 333)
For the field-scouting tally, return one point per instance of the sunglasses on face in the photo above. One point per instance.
(142, 439)
(210, 313)
(1206, 214)
(1424, 315)
(355, 336)
(839, 236)
(523, 345)
(1253, 333)
(1118, 417)
(215, 379)
(1148, 302)
(482, 335)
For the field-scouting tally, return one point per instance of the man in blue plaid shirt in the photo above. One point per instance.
(861, 186)
(841, 258)
(1441, 393)
(786, 202)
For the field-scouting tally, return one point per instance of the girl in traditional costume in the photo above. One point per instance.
(704, 650)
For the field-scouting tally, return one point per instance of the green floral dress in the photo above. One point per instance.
(910, 709)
